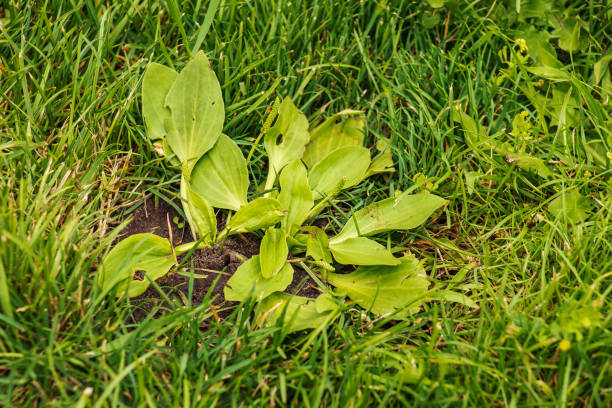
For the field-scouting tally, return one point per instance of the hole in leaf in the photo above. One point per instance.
(279, 139)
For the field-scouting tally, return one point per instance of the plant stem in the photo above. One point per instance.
(265, 128)
(224, 239)
(224, 233)
(270, 179)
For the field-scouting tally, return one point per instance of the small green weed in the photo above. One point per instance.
(184, 115)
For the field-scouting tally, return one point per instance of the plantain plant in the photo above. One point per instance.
(184, 116)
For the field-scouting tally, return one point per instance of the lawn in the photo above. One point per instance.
(502, 108)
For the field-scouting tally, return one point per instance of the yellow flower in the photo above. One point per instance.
(524, 114)
(564, 345)
(522, 44)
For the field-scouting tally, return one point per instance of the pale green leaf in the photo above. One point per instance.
(539, 47)
(550, 73)
(446, 295)
(569, 34)
(317, 247)
(349, 163)
(200, 214)
(600, 69)
(149, 253)
(330, 136)
(408, 367)
(436, 3)
(529, 163)
(273, 252)
(570, 205)
(248, 280)
(156, 83)
(385, 289)
(400, 213)
(221, 176)
(430, 20)
(285, 141)
(470, 179)
(185, 192)
(362, 251)
(383, 162)
(259, 213)
(534, 8)
(297, 242)
(295, 195)
(197, 111)
(298, 313)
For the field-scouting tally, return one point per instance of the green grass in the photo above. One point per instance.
(73, 156)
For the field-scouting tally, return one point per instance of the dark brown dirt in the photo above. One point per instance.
(208, 265)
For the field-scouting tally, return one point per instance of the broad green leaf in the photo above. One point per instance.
(330, 136)
(600, 69)
(149, 253)
(534, 8)
(470, 178)
(197, 111)
(407, 367)
(285, 141)
(259, 213)
(436, 3)
(446, 295)
(248, 279)
(221, 176)
(570, 205)
(539, 47)
(156, 83)
(385, 289)
(401, 213)
(383, 163)
(569, 34)
(199, 213)
(295, 195)
(550, 73)
(297, 242)
(317, 247)
(350, 162)
(430, 20)
(273, 252)
(362, 251)
(298, 312)
(529, 163)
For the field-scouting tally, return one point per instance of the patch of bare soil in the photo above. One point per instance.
(207, 265)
